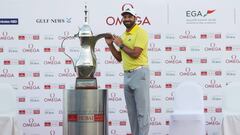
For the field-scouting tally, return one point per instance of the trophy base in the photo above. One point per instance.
(86, 83)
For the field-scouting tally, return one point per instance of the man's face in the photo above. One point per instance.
(129, 20)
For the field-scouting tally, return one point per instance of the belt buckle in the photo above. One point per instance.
(131, 70)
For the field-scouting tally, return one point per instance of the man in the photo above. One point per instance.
(133, 46)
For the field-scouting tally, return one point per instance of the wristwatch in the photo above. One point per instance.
(121, 46)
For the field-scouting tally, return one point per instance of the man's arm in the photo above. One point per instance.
(117, 54)
(134, 53)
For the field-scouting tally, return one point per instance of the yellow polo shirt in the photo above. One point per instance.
(137, 37)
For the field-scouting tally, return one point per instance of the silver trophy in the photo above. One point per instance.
(85, 107)
(85, 66)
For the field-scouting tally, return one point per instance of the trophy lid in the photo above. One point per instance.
(85, 31)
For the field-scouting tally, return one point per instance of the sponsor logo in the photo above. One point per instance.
(6, 74)
(212, 110)
(154, 85)
(210, 36)
(154, 122)
(231, 73)
(124, 110)
(13, 50)
(113, 21)
(173, 60)
(54, 86)
(212, 47)
(155, 60)
(49, 112)
(53, 20)
(31, 123)
(234, 59)
(52, 61)
(171, 73)
(195, 13)
(168, 85)
(66, 35)
(67, 73)
(29, 37)
(157, 110)
(97, 74)
(171, 84)
(153, 48)
(156, 98)
(195, 48)
(30, 111)
(211, 73)
(216, 60)
(114, 98)
(14, 62)
(21, 99)
(31, 86)
(196, 60)
(188, 72)
(175, 48)
(30, 49)
(52, 124)
(52, 132)
(117, 123)
(169, 97)
(112, 60)
(155, 36)
(216, 98)
(112, 110)
(52, 98)
(34, 99)
(109, 74)
(187, 35)
(213, 84)
(114, 132)
(48, 37)
(205, 97)
(230, 36)
(156, 73)
(200, 17)
(34, 62)
(53, 49)
(108, 86)
(169, 36)
(5, 36)
(8, 21)
(29, 74)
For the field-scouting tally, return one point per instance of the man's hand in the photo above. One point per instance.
(109, 39)
(117, 40)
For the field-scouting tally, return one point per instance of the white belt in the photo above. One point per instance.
(132, 70)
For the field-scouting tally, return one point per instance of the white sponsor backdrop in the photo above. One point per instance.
(189, 40)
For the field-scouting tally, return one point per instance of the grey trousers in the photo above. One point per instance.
(136, 91)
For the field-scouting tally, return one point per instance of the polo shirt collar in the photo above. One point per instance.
(133, 30)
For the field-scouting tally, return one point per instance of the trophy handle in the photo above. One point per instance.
(69, 37)
(96, 38)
